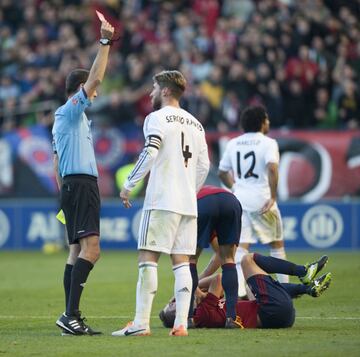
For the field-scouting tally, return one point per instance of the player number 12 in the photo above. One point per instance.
(250, 172)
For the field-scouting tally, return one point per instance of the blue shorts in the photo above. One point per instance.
(276, 308)
(220, 212)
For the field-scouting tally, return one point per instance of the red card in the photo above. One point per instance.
(100, 16)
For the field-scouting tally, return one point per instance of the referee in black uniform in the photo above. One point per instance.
(77, 171)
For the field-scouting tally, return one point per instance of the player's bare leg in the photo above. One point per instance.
(249, 267)
(90, 249)
(215, 286)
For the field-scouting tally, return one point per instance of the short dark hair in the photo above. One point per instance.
(74, 79)
(252, 118)
(173, 80)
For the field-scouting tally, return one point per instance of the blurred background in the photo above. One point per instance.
(301, 59)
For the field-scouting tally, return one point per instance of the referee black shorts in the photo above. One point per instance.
(80, 201)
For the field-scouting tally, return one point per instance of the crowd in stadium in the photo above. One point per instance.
(300, 59)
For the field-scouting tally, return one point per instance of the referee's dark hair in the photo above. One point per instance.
(74, 79)
(252, 118)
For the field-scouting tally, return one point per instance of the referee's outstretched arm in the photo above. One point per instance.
(97, 70)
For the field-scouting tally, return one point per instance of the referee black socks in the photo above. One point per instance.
(79, 275)
(67, 282)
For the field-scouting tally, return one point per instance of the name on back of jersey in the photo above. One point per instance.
(183, 121)
(249, 142)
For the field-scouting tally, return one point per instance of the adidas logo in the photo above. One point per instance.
(74, 324)
(152, 242)
(83, 285)
(184, 290)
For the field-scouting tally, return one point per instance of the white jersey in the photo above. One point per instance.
(180, 164)
(247, 157)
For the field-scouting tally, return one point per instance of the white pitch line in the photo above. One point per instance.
(14, 317)
(327, 318)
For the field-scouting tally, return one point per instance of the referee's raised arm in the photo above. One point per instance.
(97, 70)
(76, 167)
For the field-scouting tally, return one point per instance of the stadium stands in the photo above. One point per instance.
(301, 59)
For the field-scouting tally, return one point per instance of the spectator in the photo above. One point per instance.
(295, 105)
(256, 50)
(274, 104)
(349, 106)
(325, 113)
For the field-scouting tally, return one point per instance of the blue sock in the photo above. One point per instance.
(229, 282)
(295, 290)
(195, 282)
(275, 265)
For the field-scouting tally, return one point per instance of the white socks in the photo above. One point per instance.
(280, 254)
(240, 252)
(145, 291)
(182, 292)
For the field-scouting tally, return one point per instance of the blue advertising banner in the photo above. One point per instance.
(29, 224)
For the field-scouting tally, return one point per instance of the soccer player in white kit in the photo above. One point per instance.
(249, 167)
(176, 155)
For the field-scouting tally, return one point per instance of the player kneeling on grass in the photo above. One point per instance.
(218, 225)
(272, 306)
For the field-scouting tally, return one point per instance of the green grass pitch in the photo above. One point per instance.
(31, 299)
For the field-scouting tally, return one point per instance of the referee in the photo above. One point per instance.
(80, 199)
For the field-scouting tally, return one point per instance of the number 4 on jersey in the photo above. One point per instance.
(185, 150)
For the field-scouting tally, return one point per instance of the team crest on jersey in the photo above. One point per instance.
(74, 101)
(221, 303)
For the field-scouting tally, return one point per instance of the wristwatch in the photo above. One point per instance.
(105, 42)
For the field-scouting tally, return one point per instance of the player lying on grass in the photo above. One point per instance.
(272, 306)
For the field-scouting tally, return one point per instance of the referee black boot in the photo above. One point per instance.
(88, 330)
(71, 324)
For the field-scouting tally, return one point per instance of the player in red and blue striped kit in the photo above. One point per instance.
(271, 306)
(219, 213)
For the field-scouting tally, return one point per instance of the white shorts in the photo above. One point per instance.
(265, 228)
(167, 232)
